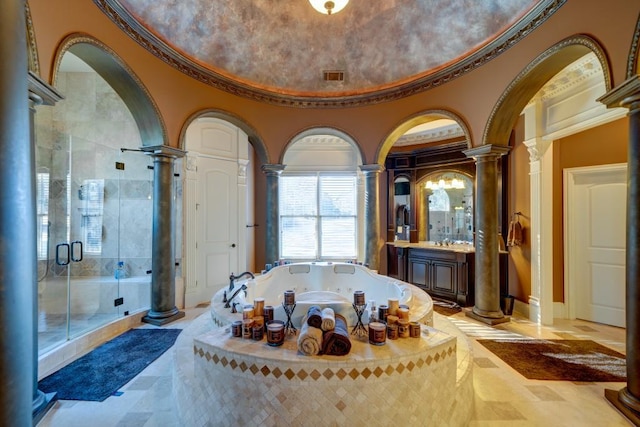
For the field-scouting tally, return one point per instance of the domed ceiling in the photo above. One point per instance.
(285, 52)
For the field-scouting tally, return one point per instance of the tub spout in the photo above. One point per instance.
(228, 303)
(233, 278)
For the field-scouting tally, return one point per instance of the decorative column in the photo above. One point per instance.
(40, 93)
(18, 270)
(372, 214)
(627, 400)
(163, 245)
(272, 237)
(487, 272)
(541, 186)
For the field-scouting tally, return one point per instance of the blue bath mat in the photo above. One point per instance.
(100, 373)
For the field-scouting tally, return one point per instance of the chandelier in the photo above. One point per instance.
(328, 7)
(443, 184)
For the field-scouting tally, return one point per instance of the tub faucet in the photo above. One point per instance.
(229, 300)
(233, 278)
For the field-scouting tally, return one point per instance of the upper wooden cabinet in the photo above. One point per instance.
(409, 215)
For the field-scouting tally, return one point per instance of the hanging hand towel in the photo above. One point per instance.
(514, 238)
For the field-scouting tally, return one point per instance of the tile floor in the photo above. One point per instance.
(503, 397)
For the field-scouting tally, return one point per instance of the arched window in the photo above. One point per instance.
(319, 200)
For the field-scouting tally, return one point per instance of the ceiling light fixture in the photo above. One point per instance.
(328, 7)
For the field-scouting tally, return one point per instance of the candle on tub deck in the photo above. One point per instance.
(268, 313)
(289, 297)
(393, 304)
(358, 298)
(258, 321)
(258, 306)
(383, 311)
(392, 331)
(247, 328)
(403, 313)
(414, 330)
(403, 328)
(275, 333)
(391, 319)
(247, 312)
(377, 333)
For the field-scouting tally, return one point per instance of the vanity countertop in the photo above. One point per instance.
(456, 247)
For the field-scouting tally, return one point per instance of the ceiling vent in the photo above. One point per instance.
(333, 76)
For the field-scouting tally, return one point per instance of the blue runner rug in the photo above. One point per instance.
(100, 373)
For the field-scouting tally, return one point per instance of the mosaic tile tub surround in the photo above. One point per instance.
(410, 380)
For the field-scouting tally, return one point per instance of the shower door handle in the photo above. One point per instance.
(59, 261)
(74, 258)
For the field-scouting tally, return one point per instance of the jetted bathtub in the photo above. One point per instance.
(329, 285)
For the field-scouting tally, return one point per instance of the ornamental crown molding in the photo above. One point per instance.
(429, 136)
(581, 74)
(141, 35)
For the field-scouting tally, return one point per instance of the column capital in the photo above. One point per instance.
(487, 151)
(536, 148)
(272, 168)
(625, 95)
(163, 151)
(41, 92)
(372, 168)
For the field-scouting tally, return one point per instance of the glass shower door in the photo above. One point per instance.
(92, 224)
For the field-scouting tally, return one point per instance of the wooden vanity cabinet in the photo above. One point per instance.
(444, 274)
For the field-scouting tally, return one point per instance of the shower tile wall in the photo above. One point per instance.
(94, 121)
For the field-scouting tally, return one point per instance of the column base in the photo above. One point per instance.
(613, 396)
(485, 319)
(159, 319)
(41, 405)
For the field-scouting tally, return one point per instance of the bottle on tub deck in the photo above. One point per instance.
(373, 311)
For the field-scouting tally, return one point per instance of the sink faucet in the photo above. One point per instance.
(233, 278)
(228, 303)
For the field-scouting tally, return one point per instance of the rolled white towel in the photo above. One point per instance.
(328, 319)
(309, 340)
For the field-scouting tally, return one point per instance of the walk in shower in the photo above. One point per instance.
(94, 209)
(94, 237)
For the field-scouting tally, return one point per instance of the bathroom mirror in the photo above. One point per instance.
(448, 207)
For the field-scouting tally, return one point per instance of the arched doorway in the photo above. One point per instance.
(548, 117)
(219, 220)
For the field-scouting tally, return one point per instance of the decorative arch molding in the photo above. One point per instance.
(533, 77)
(633, 63)
(254, 138)
(32, 49)
(122, 79)
(413, 121)
(324, 131)
(141, 35)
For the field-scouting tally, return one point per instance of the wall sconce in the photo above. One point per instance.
(443, 184)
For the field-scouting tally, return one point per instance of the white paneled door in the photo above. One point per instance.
(595, 221)
(216, 222)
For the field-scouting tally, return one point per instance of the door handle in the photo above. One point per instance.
(59, 261)
(74, 258)
(233, 245)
